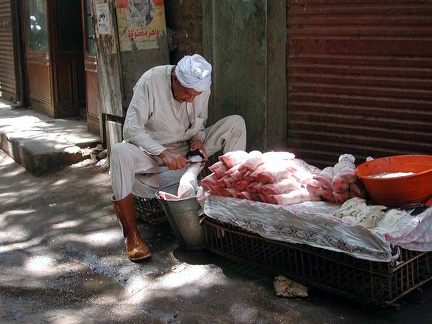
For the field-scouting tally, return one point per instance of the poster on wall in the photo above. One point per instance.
(140, 23)
(104, 25)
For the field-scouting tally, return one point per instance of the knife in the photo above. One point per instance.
(422, 207)
(187, 162)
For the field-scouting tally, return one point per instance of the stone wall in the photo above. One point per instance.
(184, 24)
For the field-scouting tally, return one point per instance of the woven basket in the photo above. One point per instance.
(149, 210)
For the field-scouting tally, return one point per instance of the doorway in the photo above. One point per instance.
(54, 58)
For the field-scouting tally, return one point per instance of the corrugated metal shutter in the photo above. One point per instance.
(8, 85)
(359, 78)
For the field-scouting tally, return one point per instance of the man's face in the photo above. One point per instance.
(183, 94)
(139, 4)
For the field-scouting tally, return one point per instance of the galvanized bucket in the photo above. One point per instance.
(183, 216)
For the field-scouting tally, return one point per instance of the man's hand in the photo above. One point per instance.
(173, 161)
(198, 145)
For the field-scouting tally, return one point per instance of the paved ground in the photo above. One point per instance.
(62, 261)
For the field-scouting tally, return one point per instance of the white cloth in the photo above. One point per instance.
(356, 211)
(154, 122)
(194, 72)
(390, 221)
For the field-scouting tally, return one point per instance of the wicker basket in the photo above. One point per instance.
(149, 210)
(360, 280)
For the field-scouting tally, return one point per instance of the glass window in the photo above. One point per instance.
(37, 32)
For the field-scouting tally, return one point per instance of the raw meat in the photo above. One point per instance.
(167, 196)
(270, 172)
(219, 168)
(232, 158)
(242, 185)
(245, 195)
(345, 168)
(327, 194)
(272, 156)
(357, 188)
(293, 197)
(227, 182)
(209, 181)
(252, 187)
(274, 177)
(189, 181)
(302, 171)
(341, 197)
(339, 182)
(254, 159)
(315, 191)
(279, 187)
(248, 176)
(235, 173)
(325, 177)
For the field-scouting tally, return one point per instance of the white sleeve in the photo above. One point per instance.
(137, 116)
(201, 104)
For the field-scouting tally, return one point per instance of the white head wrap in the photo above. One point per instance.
(194, 72)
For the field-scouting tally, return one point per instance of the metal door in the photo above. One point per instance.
(10, 80)
(359, 78)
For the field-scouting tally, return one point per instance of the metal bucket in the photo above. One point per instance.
(183, 216)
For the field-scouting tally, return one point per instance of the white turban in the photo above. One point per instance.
(194, 72)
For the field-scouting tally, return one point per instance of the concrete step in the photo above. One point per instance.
(42, 144)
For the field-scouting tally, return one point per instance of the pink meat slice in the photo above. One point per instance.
(242, 185)
(248, 176)
(167, 196)
(327, 194)
(341, 197)
(315, 191)
(325, 177)
(218, 168)
(232, 192)
(301, 171)
(270, 172)
(253, 187)
(254, 159)
(232, 158)
(282, 186)
(272, 156)
(208, 181)
(357, 189)
(235, 173)
(219, 190)
(345, 168)
(221, 181)
(244, 195)
(339, 184)
(293, 197)
(227, 182)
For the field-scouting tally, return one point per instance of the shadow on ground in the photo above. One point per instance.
(62, 261)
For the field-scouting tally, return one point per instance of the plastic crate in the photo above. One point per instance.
(360, 280)
(149, 210)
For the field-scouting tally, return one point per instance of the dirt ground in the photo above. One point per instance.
(62, 261)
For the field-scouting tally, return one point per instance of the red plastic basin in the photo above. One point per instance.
(397, 191)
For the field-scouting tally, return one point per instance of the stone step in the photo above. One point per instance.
(42, 144)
